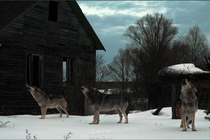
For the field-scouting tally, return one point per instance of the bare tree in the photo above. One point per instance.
(180, 51)
(151, 38)
(198, 44)
(102, 71)
(121, 68)
(154, 36)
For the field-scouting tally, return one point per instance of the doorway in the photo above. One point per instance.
(34, 70)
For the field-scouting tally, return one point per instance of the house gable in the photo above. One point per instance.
(38, 13)
(9, 13)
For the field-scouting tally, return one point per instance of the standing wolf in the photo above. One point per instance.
(105, 102)
(189, 104)
(48, 101)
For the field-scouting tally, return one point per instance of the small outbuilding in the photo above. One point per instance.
(201, 80)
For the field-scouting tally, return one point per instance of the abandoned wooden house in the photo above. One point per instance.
(37, 38)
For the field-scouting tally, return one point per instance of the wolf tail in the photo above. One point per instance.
(127, 111)
(127, 100)
(189, 120)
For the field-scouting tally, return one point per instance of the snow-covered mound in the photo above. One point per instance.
(142, 125)
(187, 68)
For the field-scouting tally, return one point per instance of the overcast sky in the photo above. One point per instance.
(110, 19)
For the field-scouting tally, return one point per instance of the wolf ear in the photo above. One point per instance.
(195, 90)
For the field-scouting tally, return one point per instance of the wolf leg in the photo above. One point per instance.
(65, 110)
(181, 125)
(124, 113)
(41, 112)
(96, 117)
(44, 110)
(59, 110)
(193, 123)
(63, 106)
(188, 118)
(97, 120)
(120, 115)
(184, 123)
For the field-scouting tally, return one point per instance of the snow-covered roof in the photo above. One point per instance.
(113, 91)
(182, 69)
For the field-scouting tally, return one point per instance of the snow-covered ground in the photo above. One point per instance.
(142, 125)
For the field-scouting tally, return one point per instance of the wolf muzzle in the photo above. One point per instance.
(27, 88)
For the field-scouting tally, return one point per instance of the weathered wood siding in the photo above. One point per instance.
(33, 33)
(12, 70)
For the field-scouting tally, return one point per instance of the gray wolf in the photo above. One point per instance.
(106, 102)
(189, 105)
(48, 101)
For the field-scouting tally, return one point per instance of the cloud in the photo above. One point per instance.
(187, 14)
(115, 17)
(131, 8)
(110, 19)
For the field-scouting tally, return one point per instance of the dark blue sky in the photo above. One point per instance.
(110, 19)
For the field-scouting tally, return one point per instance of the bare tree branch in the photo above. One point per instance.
(198, 44)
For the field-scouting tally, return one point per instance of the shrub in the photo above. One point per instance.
(28, 136)
(3, 125)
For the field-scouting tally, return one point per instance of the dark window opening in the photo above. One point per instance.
(53, 11)
(36, 71)
(33, 70)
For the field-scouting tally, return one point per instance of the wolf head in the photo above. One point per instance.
(92, 94)
(84, 89)
(87, 89)
(188, 86)
(32, 89)
(35, 91)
